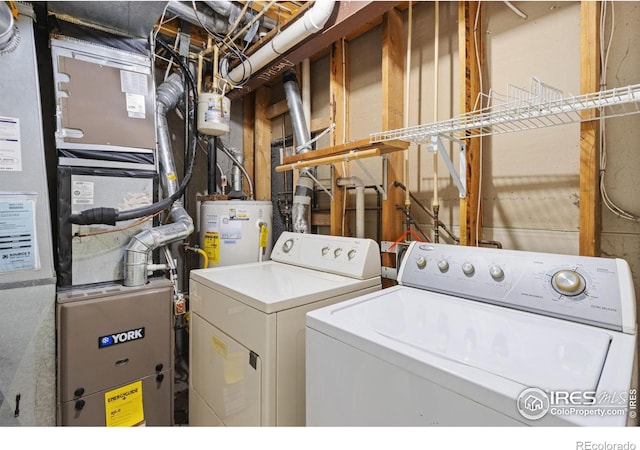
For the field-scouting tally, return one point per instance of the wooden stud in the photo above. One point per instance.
(590, 201)
(392, 118)
(337, 93)
(277, 109)
(470, 88)
(262, 181)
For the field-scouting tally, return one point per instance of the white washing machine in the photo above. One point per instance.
(479, 336)
(247, 328)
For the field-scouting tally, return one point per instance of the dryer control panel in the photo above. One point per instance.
(352, 257)
(590, 290)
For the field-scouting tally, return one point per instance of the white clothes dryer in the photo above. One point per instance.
(247, 328)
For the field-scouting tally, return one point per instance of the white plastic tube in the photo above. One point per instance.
(312, 22)
(359, 185)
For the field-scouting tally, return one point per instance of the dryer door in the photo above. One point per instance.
(226, 375)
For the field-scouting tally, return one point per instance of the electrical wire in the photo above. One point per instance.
(115, 230)
(233, 52)
(604, 62)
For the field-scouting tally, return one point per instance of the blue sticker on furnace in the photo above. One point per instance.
(120, 337)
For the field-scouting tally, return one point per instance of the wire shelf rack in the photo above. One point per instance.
(539, 107)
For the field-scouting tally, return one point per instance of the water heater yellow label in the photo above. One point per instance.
(123, 406)
(211, 246)
(264, 236)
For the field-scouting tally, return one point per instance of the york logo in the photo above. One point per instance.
(119, 338)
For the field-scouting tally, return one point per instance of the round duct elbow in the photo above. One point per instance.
(9, 36)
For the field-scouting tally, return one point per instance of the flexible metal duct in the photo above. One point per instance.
(137, 252)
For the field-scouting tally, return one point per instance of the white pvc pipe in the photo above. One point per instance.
(359, 185)
(312, 22)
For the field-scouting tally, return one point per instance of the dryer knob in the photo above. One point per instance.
(443, 265)
(496, 272)
(337, 252)
(288, 244)
(568, 282)
(468, 268)
(421, 262)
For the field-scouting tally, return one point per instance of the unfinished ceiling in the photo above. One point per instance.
(235, 29)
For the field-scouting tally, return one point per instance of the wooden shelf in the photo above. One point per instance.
(363, 148)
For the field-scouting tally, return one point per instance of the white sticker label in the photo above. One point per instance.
(135, 106)
(211, 223)
(82, 193)
(133, 83)
(10, 150)
(17, 235)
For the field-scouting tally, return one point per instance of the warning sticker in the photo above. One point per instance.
(211, 246)
(124, 407)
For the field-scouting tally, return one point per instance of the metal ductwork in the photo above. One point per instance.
(135, 18)
(212, 23)
(141, 245)
(301, 208)
(225, 14)
(8, 29)
(232, 11)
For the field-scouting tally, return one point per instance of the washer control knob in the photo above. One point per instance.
(568, 282)
(351, 254)
(325, 250)
(287, 246)
(443, 265)
(496, 272)
(421, 262)
(468, 268)
(337, 252)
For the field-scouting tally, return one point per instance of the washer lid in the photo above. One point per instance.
(270, 286)
(526, 348)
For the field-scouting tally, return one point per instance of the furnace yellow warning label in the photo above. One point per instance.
(123, 406)
(211, 246)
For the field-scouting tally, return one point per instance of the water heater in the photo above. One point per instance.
(236, 231)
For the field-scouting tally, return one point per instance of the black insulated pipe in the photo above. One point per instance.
(212, 150)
